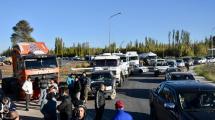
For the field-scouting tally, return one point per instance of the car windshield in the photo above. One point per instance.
(162, 64)
(198, 100)
(133, 58)
(37, 63)
(123, 58)
(101, 77)
(171, 63)
(182, 77)
(108, 62)
(178, 61)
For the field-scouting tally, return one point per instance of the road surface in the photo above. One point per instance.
(134, 93)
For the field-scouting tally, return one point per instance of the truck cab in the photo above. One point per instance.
(133, 58)
(32, 60)
(111, 63)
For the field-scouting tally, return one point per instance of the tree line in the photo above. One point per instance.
(179, 44)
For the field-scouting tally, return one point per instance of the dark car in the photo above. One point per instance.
(183, 100)
(180, 76)
(106, 78)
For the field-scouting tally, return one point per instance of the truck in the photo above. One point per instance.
(110, 62)
(133, 58)
(30, 59)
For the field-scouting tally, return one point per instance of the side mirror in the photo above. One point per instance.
(169, 105)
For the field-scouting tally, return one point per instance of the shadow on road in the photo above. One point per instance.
(29, 118)
(157, 80)
(139, 93)
(109, 114)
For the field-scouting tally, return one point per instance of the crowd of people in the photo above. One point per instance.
(73, 99)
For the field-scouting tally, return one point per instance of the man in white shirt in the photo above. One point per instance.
(28, 89)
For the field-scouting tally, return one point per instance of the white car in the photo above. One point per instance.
(139, 69)
(180, 63)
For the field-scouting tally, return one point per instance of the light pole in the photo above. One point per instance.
(212, 51)
(112, 16)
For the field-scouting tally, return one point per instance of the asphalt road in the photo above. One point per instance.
(134, 93)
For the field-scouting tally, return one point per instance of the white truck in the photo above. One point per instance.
(111, 63)
(124, 63)
(133, 58)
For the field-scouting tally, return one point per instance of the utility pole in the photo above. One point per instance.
(112, 16)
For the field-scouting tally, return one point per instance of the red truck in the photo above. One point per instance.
(30, 59)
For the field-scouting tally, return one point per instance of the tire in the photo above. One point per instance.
(140, 71)
(113, 95)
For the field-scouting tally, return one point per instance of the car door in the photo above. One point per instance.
(166, 95)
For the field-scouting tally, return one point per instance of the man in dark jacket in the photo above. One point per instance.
(65, 107)
(85, 84)
(49, 110)
(43, 85)
(100, 102)
(76, 90)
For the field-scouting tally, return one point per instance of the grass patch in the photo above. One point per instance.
(207, 70)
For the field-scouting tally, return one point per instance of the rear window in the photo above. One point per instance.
(182, 77)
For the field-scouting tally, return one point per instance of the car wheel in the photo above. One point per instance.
(140, 71)
(113, 95)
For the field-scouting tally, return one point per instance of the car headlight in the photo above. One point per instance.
(108, 88)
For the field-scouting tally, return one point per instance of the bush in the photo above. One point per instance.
(208, 71)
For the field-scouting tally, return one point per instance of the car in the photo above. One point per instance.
(170, 70)
(180, 63)
(180, 76)
(106, 78)
(182, 100)
(200, 60)
(160, 67)
(139, 69)
(210, 59)
(188, 60)
(172, 63)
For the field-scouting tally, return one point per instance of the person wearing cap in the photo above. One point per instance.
(27, 87)
(100, 102)
(80, 112)
(121, 114)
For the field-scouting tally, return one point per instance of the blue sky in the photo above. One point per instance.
(81, 21)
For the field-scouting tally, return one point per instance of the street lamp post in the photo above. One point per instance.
(110, 27)
(212, 43)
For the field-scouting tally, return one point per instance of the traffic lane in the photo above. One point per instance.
(135, 94)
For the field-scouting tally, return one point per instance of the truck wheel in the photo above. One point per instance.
(14, 87)
(113, 95)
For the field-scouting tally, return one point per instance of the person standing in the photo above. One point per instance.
(70, 83)
(76, 91)
(187, 66)
(100, 102)
(85, 85)
(28, 89)
(49, 110)
(121, 114)
(43, 85)
(53, 87)
(65, 107)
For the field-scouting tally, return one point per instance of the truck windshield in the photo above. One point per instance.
(101, 77)
(37, 63)
(109, 62)
(123, 58)
(133, 58)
